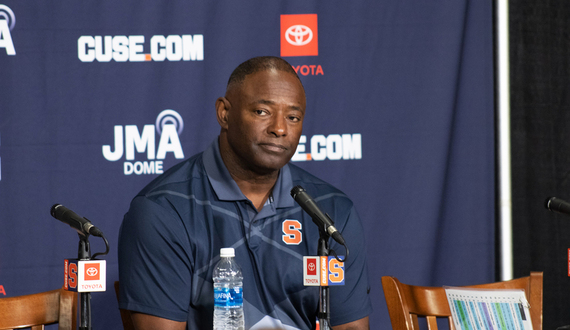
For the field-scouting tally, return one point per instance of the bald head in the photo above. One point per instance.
(257, 64)
(261, 117)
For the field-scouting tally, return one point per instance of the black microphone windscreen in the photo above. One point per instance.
(557, 205)
(296, 190)
(53, 209)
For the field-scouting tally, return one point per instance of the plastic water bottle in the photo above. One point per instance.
(228, 293)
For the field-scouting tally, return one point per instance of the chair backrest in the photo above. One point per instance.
(37, 310)
(406, 302)
(125, 314)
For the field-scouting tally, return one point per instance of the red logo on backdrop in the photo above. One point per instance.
(299, 35)
(92, 272)
(2, 291)
(312, 266)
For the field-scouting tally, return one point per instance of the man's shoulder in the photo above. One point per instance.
(180, 174)
(315, 186)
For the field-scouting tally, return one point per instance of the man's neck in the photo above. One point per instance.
(257, 190)
(256, 186)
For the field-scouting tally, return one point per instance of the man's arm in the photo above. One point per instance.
(361, 324)
(149, 322)
(150, 238)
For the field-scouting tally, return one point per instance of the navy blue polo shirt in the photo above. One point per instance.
(170, 240)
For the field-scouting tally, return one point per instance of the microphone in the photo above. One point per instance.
(319, 218)
(558, 205)
(81, 225)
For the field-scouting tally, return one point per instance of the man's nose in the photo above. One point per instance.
(278, 126)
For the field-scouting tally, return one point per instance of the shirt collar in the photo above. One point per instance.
(227, 189)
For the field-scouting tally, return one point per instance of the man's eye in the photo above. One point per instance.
(260, 112)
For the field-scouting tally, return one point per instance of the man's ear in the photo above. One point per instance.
(222, 109)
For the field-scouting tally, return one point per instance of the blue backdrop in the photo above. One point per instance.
(399, 116)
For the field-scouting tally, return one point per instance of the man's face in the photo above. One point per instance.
(265, 120)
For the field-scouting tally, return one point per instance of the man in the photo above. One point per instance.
(236, 194)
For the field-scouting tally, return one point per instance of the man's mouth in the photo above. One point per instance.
(274, 147)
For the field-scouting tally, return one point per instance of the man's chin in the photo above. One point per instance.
(267, 166)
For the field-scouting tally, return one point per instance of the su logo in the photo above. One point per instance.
(292, 232)
(72, 275)
(336, 272)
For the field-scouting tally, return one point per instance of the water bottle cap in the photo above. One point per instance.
(227, 252)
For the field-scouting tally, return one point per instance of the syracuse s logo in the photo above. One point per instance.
(292, 232)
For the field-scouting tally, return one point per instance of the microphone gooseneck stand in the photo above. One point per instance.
(324, 308)
(326, 230)
(84, 228)
(324, 297)
(84, 253)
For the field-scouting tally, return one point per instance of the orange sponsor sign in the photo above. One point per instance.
(299, 35)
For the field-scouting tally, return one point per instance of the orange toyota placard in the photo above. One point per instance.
(299, 35)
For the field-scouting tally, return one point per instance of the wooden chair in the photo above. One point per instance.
(125, 314)
(37, 310)
(408, 302)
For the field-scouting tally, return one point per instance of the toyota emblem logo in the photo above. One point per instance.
(311, 266)
(298, 35)
(91, 271)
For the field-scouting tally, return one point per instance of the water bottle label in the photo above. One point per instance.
(228, 297)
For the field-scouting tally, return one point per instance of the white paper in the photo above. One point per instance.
(474, 309)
